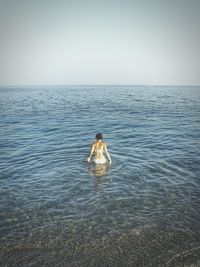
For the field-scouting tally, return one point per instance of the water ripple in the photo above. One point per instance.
(49, 191)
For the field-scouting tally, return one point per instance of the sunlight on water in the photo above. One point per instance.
(58, 210)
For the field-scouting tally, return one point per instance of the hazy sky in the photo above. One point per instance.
(99, 42)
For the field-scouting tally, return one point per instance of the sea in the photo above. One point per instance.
(57, 209)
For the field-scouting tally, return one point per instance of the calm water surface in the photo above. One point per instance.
(57, 210)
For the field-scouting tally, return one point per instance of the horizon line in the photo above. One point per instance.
(99, 85)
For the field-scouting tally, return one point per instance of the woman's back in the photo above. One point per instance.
(99, 149)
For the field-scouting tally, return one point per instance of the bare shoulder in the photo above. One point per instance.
(94, 144)
(104, 144)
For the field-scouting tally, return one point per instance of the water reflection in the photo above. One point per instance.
(99, 171)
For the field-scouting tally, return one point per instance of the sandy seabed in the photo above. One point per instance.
(141, 247)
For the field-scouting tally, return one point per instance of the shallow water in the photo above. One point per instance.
(57, 210)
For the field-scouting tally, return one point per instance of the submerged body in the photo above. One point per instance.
(99, 149)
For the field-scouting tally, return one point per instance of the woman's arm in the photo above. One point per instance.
(107, 154)
(91, 152)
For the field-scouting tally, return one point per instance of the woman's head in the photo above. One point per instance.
(99, 136)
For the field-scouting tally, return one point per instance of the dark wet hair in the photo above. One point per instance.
(99, 136)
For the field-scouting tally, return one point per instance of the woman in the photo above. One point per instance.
(99, 148)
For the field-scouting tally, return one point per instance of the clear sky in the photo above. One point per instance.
(100, 42)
